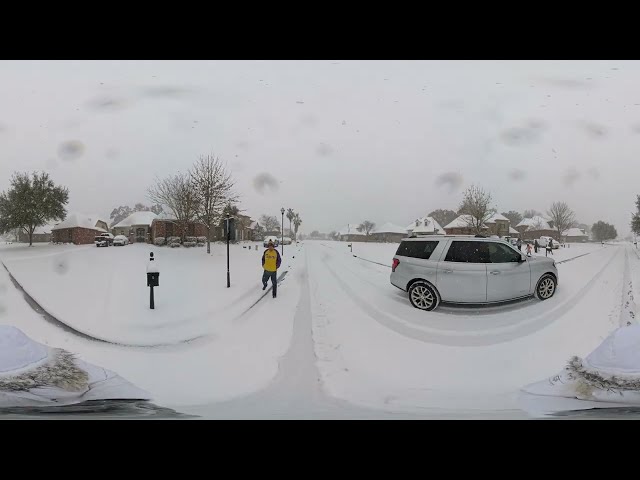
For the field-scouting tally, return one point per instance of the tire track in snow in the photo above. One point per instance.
(78, 333)
(469, 338)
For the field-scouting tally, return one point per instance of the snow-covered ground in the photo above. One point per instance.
(212, 345)
(339, 341)
(376, 350)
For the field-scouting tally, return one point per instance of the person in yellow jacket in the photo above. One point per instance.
(270, 262)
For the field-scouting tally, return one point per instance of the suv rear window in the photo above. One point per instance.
(468, 252)
(419, 249)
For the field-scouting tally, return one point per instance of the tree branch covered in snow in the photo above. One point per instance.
(270, 223)
(366, 227)
(31, 202)
(562, 217)
(476, 206)
(213, 187)
(177, 194)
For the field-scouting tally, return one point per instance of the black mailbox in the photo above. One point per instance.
(153, 279)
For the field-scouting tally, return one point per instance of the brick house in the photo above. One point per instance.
(388, 233)
(350, 233)
(244, 229)
(459, 226)
(536, 227)
(79, 229)
(575, 235)
(425, 226)
(165, 225)
(495, 225)
(498, 225)
(136, 227)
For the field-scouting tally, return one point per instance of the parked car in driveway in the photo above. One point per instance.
(101, 241)
(287, 240)
(108, 236)
(458, 269)
(120, 241)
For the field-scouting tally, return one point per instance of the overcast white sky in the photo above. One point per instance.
(345, 140)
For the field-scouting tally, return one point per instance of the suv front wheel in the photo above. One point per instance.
(546, 287)
(423, 296)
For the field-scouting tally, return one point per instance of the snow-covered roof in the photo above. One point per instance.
(136, 218)
(389, 228)
(461, 222)
(82, 220)
(425, 225)
(513, 230)
(253, 225)
(574, 232)
(164, 216)
(350, 229)
(536, 222)
(496, 216)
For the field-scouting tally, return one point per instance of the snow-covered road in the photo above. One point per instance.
(341, 342)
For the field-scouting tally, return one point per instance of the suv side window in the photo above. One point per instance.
(467, 252)
(417, 249)
(499, 253)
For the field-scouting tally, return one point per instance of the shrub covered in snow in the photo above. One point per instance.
(159, 241)
(189, 244)
(174, 245)
(190, 239)
(171, 240)
(202, 239)
(200, 244)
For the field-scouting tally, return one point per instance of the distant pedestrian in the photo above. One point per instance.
(550, 246)
(270, 263)
(519, 244)
(535, 245)
(528, 249)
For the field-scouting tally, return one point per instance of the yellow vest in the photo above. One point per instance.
(271, 260)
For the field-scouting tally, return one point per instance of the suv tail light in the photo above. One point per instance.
(395, 264)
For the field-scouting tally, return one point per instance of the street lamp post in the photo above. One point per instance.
(282, 231)
(228, 237)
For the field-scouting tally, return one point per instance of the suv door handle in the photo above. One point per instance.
(495, 272)
(447, 271)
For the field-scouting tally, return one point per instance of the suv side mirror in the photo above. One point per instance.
(522, 259)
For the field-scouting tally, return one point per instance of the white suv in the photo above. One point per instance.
(469, 270)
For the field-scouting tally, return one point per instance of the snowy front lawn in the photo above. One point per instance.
(103, 292)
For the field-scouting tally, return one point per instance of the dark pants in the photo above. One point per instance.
(274, 280)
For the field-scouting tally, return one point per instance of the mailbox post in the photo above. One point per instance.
(153, 279)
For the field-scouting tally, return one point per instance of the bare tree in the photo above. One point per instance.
(562, 217)
(333, 234)
(366, 227)
(531, 213)
(297, 221)
(270, 223)
(476, 208)
(443, 217)
(178, 195)
(213, 187)
(514, 217)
